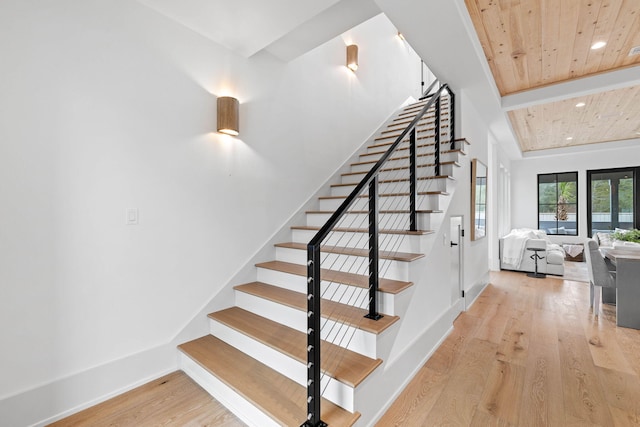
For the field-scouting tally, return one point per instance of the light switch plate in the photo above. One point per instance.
(132, 216)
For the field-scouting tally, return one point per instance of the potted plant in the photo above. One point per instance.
(627, 235)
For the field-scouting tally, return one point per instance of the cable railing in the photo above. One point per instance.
(361, 236)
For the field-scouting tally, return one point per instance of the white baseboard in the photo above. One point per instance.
(472, 294)
(58, 399)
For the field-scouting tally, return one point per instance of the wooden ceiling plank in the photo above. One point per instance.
(569, 32)
(607, 116)
(532, 27)
(550, 35)
(496, 27)
(627, 34)
(556, 33)
(604, 30)
(519, 54)
(587, 16)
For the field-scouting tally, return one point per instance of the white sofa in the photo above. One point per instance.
(521, 239)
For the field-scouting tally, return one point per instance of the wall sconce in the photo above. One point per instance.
(228, 115)
(352, 57)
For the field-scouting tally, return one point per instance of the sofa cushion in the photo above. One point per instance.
(555, 257)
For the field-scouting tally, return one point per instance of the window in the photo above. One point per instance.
(558, 203)
(612, 199)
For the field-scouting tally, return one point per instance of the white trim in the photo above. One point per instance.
(590, 85)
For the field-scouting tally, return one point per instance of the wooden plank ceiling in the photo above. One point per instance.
(534, 43)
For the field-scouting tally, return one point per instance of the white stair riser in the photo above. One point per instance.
(385, 221)
(427, 121)
(425, 202)
(337, 392)
(396, 187)
(376, 153)
(444, 157)
(389, 269)
(424, 138)
(393, 221)
(400, 242)
(395, 174)
(232, 400)
(349, 337)
(346, 294)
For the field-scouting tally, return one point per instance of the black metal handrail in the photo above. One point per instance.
(314, 246)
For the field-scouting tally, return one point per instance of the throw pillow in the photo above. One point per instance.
(604, 239)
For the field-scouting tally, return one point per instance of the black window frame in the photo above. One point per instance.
(577, 205)
(636, 199)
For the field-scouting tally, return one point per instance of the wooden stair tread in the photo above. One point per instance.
(374, 161)
(444, 126)
(413, 112)
(402, 148)
(443, 141)
(426, 165)
(387, 181)
(385, 285)
(391, 211)
(336, 311)
(408, 118)
(344, 365)
(400, 126)
(281, 398)
(422, 193)
(396, 256)
(418, 105)
(365, 230)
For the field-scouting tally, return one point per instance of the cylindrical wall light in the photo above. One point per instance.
(228, 115)
(352, 57)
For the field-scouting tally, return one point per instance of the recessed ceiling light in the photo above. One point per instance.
(569, 138)
(634, 51)
(598, 45)
(580, 104)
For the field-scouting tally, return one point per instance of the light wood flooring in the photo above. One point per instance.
(529, 352)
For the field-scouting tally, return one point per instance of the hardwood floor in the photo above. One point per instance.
(529, 352)
(173, 400)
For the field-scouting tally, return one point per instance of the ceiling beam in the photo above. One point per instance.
(618, 79)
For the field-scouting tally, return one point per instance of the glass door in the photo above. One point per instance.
(612, 200)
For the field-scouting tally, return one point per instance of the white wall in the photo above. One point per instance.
(108, 106)
(476, 263)
(525, 181)
(498, 198)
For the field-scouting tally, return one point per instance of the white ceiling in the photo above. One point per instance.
(244, 26)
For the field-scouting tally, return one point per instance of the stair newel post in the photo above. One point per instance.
(436, 137)
(313, 337)
(373, 250)
(413, 182)
(452, 117)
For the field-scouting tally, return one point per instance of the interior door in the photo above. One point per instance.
(456, 258)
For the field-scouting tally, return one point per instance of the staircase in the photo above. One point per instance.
(255, 359)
